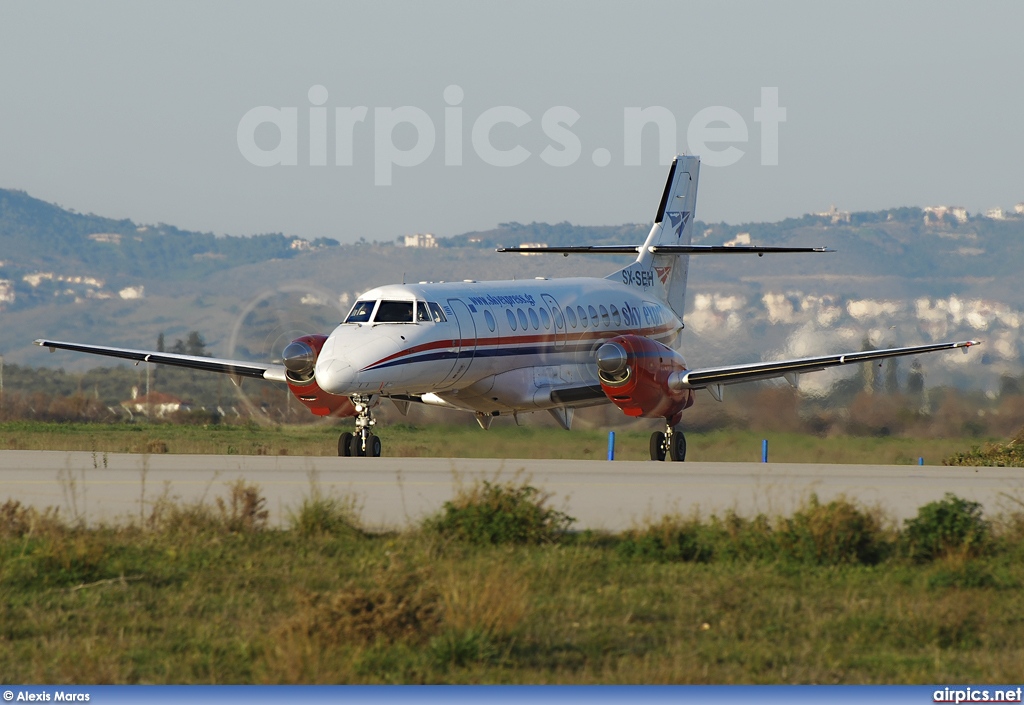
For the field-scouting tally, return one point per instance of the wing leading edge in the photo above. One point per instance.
(236, 368)
(713, 378)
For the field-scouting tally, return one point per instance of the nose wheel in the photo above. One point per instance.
(362, 443)
(669, 444)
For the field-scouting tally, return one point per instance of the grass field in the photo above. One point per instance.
(506, 441)
(492, 592)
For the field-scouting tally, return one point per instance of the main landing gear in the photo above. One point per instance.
(670, 443)
(362, 443)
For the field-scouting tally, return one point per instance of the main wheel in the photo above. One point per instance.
(356, 446)
(373, 446)
(345, 445)
(657, 446)
(677, 449)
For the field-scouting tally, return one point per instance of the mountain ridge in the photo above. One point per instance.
(72, 276)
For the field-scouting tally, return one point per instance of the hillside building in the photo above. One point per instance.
(420, 240)
(835, 215)
(933, 214)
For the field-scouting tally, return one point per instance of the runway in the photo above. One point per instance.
(396, 492)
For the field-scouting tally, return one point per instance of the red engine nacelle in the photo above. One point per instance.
(634, 374)
(299, 360)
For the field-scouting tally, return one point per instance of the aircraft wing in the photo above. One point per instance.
(713, 378)
(237, 368)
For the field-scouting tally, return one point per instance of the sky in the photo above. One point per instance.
(379, 119)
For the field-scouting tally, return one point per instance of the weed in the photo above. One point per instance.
(461, 648)
(963, 574)
(950, 526)
(332, 516)
(833, 533)
(817, 534)
(400, 605)
(487, 597)
(245, 511)
(672, 538)
(489, 513)
(17, 520)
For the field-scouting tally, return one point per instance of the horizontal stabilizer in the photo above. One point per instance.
(663, 250)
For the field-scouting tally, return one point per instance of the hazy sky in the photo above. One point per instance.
(132, 110)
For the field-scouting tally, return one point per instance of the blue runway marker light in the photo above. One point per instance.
(611, 445)
(920, 461)
(764, 451)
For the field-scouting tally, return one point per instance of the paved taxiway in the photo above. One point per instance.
(396, 491)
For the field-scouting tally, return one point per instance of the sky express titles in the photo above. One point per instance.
(653, 314)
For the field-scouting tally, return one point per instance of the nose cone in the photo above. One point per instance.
(334, 376)
(334, 372)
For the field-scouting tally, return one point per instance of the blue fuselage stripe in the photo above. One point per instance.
(486, 352)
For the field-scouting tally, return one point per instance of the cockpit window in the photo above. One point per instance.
(437, 313)
(361, 312)
(394, 312)
(422, 314)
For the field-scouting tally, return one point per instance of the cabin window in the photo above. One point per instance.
(394, 312)
(511, 318)
(490, 320)
(604, 317)
(557, 313)
(534, 321)
(593, 315)
(361, 312)
(583, 316)
(422, 312)
(437, 313)
(545, 319)
(522, 318)
(571, 316)
(616, 319)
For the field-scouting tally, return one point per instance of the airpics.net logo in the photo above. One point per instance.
(716, 133)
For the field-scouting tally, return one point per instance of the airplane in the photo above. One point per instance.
(507, 347)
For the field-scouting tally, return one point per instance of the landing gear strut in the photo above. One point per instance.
(668, 443)
(361, 443)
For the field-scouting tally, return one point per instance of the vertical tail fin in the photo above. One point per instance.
(665, 275)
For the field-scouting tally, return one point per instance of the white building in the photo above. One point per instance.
(936, 213)
(420, 240)
(834, 215)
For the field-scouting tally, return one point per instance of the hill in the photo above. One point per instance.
(899, 276)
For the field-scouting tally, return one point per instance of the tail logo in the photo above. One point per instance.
(679, 219)
(663, 273)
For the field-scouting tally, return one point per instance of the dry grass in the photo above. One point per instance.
(207, 594)
(461, 441)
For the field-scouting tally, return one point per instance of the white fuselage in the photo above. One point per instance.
(495, 347)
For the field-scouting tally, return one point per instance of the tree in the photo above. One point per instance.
(192, 345)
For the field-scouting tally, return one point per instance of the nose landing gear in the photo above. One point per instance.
(362, 443)
(670, 443)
